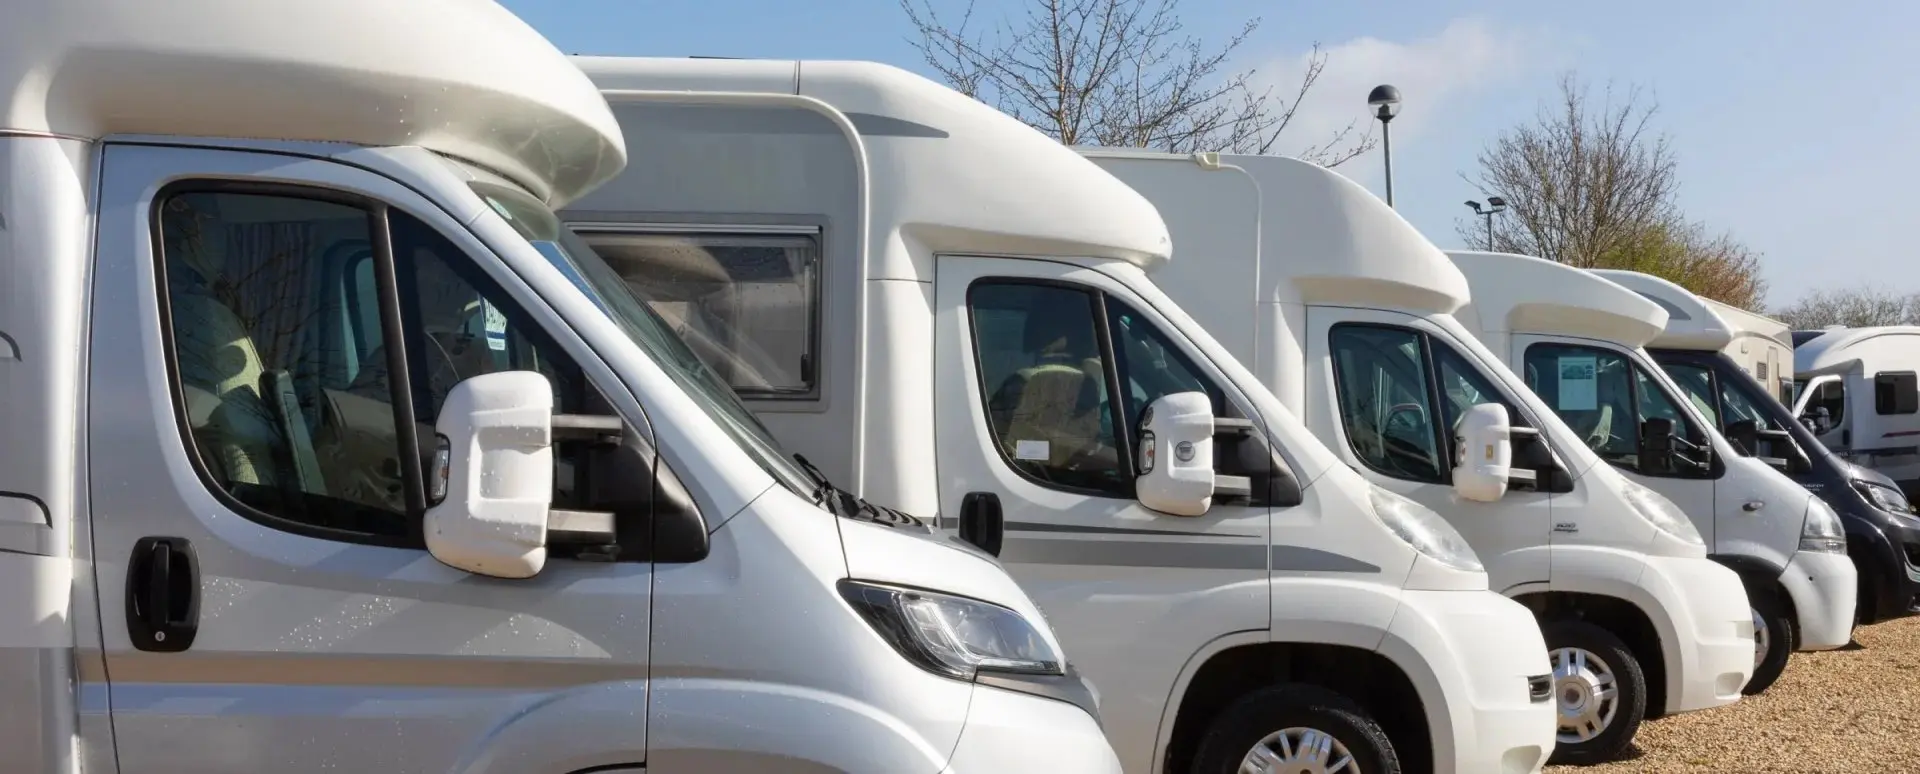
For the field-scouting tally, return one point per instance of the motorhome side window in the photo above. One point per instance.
(1386, 400)
(1724, 404)
(280, 352)
(1896, 392)
(1603, 396)
(1043, 369)
(1047, 354)
(748, 305)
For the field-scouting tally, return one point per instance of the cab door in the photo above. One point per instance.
(1042, 370)
(1604, 394)
(268, 336)
(1393, 392)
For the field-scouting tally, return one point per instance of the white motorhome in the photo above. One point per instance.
(1697, 349)
(1760, 345)
(327, 448)
(1858, 390)
(978, 297)
(1346, 311)
(1578, 339)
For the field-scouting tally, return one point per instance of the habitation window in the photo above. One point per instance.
(748, 305)
(1896, 392)
(280, 352)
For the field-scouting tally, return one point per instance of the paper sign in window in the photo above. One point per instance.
(1579, 383)
(1032, 450)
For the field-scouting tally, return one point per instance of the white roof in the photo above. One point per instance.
(1837, 350)
(950, 167)
(1323, 239)
(1522, 294)
(462, 77)
(1693, 322)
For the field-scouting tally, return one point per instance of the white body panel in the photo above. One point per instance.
(914, 197)
(1750, 514)
(173, 266)
(1277, 254)
(1760, 345)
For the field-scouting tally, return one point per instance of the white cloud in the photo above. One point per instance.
(1436, 75)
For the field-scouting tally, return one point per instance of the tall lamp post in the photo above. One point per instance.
(1385, 101)
(1495, 206)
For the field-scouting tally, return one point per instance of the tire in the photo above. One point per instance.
(1771, 618)
(1586, 661)
(1292, 707)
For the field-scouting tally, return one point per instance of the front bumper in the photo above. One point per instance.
(1020, 733)
(1471, 655)
(1824, 588)
(1885, 556)
(1708, 632)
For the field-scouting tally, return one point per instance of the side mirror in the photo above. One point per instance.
(1745, 434)
(1656, 444)
(1176, 455)
(493, 475)
(1485, 451)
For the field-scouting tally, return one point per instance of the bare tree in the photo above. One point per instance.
(1859, 307)
(1120, 73)
(1580, 181)
(1593, 185)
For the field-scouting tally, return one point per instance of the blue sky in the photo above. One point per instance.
(1792, 122)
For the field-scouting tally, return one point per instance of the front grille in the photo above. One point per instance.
(1540, 688)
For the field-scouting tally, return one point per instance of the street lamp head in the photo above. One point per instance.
(1475, 205)
(1496, 201)
(1385, 101)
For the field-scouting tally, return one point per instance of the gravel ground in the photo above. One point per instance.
(1854, 709)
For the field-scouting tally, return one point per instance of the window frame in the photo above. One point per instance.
(401, 333)
(1430, 388)
(590, 231)
(412, 473)
(1716, 466)
(1891, 381)
(1103, 337)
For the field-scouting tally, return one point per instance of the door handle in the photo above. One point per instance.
(982, 523)
(163, 594)
(1753, 505)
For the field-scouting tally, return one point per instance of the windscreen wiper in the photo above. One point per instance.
(824, 492)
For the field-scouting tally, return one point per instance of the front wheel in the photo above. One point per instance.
(1774, 639)
(1295, 728)
(1599, 689)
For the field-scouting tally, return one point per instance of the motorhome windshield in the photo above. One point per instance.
(622, 302)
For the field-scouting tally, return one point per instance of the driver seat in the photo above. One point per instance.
(1055, 401)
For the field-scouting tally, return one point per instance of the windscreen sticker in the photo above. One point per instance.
(1032, 450)
(1579, 386)
(496, 325)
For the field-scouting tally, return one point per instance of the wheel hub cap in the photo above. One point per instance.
(1762, 639)
(1587, 693)
(1299, 751)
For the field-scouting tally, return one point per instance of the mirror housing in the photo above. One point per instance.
(493, 475)
(1175, 457)
(1745, 434)
(1484, 447)
(1656, 444)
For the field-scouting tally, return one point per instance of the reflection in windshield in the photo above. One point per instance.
(647, 330)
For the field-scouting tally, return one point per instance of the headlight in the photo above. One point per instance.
(1883, 497)
(1423, 529)
(1822, 531)
(954, 636)
(1666, 516)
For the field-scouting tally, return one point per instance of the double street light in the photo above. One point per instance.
(1495, 206)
